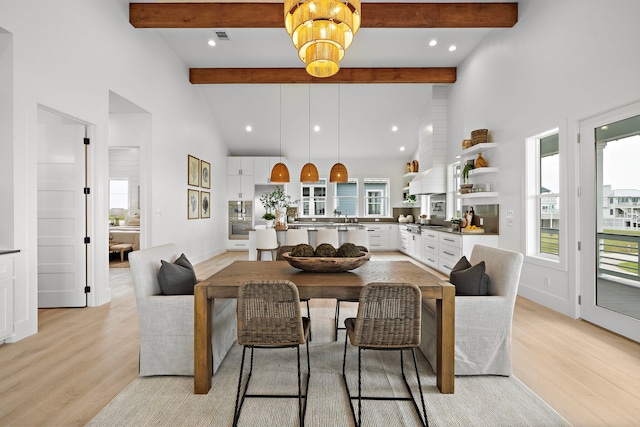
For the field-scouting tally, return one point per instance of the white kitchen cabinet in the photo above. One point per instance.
(240, 184)
(441, 250)
(380, 236)
(262, 167)
(430, 245)
(7, 283)
(240, 187)
(394, 237)
(239, 165)
(237, 245)
(449, 251)
(415, 246)
(403, 244)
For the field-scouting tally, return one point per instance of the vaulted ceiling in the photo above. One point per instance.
(254, 77)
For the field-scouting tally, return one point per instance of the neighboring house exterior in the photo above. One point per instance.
(621, 209)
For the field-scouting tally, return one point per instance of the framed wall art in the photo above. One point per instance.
(205, 174)
(205, 204)
(193, 170)
(193, 204)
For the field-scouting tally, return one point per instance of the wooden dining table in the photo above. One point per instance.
(342, 285)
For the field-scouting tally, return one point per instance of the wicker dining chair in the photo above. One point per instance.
(388, 319)
(360, 238)
(269, 317)
(282, 250)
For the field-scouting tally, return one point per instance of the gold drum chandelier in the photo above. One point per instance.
(322, 30)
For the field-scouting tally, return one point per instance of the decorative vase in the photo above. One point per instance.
(480, 162)
(270, 223)
(281, 219)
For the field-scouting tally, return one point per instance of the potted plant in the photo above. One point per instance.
(269, 217)
(276, 203)
(411, 199)
(455, 223)
(465, 187)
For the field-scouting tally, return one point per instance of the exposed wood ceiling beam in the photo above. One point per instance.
(299, 75)
(374, 15)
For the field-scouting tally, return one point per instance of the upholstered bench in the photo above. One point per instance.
(122, 248)
(166, 321)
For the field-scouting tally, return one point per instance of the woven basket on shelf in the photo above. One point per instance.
(479, 136)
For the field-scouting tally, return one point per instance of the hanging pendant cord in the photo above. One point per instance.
(338, 123)
(309, 123)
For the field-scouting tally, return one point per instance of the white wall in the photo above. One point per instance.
(6, 134)
(68, 56)
(564, 60)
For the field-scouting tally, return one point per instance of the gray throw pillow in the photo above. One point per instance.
(184, 262)
(177, 278)
(469, 280)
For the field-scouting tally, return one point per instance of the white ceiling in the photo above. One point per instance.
(367, 112)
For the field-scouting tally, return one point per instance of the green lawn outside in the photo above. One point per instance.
(617, 246)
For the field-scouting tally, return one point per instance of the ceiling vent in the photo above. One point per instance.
(222, 35)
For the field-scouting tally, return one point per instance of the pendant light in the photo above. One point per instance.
(280, 172)
(339, 171)
(309, 172)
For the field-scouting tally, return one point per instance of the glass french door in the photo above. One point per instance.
(610, 220)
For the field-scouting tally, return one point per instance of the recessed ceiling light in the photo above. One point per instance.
(211, 42)
(452, 48)
(249, 128)
(394, 128)
(402, 148)
(316, 128)
(605, 127)
(433, 42)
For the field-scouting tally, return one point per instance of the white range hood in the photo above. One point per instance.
(432, 145)
(431, 181)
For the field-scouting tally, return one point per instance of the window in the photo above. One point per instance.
(314, 198)
(454, 203)
(119, 194)
(543, 195)
(345, 200)
(376, 199)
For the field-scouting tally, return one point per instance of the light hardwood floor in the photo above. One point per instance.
(82, 358)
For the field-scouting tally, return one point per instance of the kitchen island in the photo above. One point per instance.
(311, 227)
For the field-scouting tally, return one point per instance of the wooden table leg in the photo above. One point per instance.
(202, 358)
(445, 311)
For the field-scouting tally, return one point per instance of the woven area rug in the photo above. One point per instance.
(478, 401)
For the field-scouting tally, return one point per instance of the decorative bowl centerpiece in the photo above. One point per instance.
(326, 264)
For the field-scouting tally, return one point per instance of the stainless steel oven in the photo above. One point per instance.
(240, 219)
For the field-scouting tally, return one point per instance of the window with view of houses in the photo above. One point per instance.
(376, 197)
(543, 195)
(345, 200)
(314, 198)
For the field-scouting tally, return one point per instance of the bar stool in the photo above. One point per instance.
(297, 236)
(358, 237)
(328, 235)
(266, 240)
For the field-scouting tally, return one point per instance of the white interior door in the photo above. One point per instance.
(61, 211)
(610, 221)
